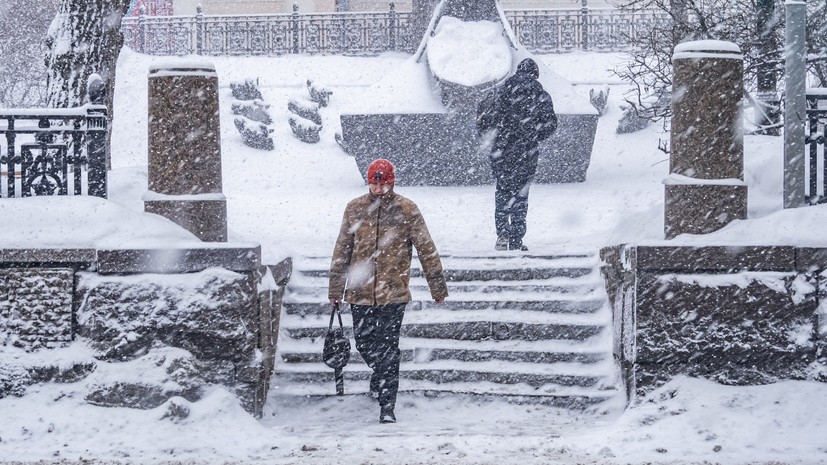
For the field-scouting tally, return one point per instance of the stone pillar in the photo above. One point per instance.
(185, 149)
(705, 189)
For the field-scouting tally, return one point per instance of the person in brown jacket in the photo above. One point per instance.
(371, 268)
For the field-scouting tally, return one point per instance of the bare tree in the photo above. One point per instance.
(84, 38)
(23, 24)
(751, 24)
(817, 42)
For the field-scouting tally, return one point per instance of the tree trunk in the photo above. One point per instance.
(84, 38)
(770, 113)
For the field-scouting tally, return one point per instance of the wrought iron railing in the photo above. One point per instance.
(540, 31)
(603, 30)
(46, 150)
(816, 126)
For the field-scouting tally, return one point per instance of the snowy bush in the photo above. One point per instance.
(253, 121)
(306, 109)
(318, 93)
(255, 110)
(599, 100)
(631, 121)
(247, 90)
(305, 130)
(257, 135)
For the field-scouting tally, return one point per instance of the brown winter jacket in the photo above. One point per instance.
(373, 252)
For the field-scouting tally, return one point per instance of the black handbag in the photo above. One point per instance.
(336, 351)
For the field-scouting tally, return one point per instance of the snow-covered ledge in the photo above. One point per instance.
(135, 288)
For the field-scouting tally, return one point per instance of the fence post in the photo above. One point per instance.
(96, 137)
(584, 25)
(392, 29)
(11, 156)
(295, 26)
(199, 29)
(795, 106)
(142, 29)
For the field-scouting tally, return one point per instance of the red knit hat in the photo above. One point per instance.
(381, 172)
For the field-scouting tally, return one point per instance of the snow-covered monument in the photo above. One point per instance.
(430, 137)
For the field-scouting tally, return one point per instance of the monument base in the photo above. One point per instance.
(207, 219)
(443, 149)
(702, 208)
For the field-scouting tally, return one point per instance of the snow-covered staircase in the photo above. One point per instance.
(534, 329)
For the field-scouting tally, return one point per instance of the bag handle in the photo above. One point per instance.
(338, 313)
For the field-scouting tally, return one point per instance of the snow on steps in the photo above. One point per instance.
(522, 328)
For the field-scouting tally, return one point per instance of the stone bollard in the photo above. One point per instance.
(185, 149)
(705, 189)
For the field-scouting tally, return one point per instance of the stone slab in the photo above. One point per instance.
(207, 219)
(178, 260)
(24, 257)
(702, 208)
(715, 258)
(734, 328)
(810, 258)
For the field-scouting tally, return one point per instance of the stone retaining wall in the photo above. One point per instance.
(210, 315)
(737, 315)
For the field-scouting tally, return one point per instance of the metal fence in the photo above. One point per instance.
(540, 31)
(816, 127)
(54, 151)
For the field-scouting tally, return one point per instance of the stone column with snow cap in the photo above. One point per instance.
(185, 149)
(705, 189)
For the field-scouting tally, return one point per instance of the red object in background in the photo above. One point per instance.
(151, 7)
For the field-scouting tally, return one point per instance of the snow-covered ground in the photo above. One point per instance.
(291, 199)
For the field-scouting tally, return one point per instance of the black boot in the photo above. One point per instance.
(374, 386)
(386, 414)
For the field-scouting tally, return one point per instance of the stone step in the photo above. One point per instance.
(578, 402)
(570, 305)
(315, 289)
(500, 260)
(489, 274)
(449, 373)
(474, 331)
(532, 329)
(420, 350)
(497, 324)
(421, 355)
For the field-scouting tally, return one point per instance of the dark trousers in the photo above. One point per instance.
(376, 330)
(510, 210)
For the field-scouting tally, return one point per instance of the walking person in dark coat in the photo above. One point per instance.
(514, 118)
(371, 268)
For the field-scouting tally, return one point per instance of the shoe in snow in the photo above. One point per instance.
(386, 414)
(502, 243)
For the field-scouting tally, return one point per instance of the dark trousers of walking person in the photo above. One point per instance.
(510, 210)
(376, 330)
